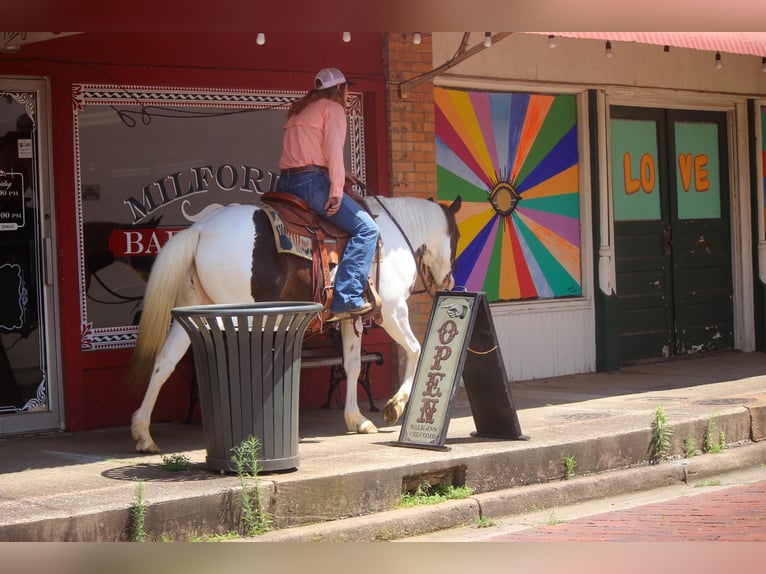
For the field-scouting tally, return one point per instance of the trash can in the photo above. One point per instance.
(247, 360)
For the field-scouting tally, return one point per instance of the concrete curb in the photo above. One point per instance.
(402, 523)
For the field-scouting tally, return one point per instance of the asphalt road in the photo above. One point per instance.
(729, 507)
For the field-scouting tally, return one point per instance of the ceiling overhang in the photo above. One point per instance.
(748, 43)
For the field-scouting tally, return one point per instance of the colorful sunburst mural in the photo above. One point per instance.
(512, 157)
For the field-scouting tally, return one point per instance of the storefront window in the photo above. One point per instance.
(150, 161)
(513, 158)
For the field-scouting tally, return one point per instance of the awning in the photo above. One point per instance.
(749, 43)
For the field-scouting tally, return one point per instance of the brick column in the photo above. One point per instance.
(411, 141)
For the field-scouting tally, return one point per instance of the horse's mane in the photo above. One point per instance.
(417, 217)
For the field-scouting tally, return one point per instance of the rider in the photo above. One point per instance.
(312, 167)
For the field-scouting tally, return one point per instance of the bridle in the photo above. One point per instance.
(428, 284)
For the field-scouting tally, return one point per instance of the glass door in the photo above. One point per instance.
(29, 393)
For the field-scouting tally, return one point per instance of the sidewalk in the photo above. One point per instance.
(80, 486)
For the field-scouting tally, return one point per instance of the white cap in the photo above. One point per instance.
(328, 77)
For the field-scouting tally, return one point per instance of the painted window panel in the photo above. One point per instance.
(513, 159)
(635, 181)
(149, 161)
(698, 179)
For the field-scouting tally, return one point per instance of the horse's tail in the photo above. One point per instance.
(170, 274)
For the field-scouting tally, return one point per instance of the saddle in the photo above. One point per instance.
(328, 241)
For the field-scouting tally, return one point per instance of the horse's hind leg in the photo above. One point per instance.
(397, 325)
(170, 354)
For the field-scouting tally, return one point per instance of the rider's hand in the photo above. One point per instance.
(350, 182)
(332, 206)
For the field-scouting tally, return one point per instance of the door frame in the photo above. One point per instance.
(53, 417)
(740, 208)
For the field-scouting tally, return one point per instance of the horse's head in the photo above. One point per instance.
(437, 258)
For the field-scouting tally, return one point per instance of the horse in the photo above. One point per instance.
(229, 256)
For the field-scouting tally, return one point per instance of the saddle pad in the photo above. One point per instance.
(287, 241)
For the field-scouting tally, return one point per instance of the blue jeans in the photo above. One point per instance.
(354, 267)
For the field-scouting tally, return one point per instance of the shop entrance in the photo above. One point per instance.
(29, 395)
(670, 198)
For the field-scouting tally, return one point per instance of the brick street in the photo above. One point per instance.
(736, 514)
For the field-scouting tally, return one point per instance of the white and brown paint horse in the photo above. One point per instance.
(229, 256)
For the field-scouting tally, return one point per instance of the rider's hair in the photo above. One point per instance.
(334, 93)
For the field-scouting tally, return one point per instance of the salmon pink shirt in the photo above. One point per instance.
(316, 136)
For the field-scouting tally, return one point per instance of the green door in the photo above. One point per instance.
(671, 224)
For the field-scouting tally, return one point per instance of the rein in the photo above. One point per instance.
(415, 254)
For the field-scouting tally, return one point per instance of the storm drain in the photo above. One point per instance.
(452, 476)
(729, 401)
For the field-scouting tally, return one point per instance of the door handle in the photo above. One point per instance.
(668, 240)
(701, 242)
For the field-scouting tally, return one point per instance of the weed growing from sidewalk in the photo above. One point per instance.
(484, 522)
(138, 514)
(690, 447)
(701, 483)
(709, 445)
(661, 434)
(175, 462)
(427, 494)
(213, 537)
(569, 466)
(552, 520)
(255, 520)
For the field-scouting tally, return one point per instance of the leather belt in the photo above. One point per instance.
(302, 169)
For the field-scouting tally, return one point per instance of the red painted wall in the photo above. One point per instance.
(93, 395)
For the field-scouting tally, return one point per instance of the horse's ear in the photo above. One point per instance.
(455, 205)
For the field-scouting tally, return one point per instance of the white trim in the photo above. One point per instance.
(761, 231)
(741, 236)
(507, 308)
(607, 271)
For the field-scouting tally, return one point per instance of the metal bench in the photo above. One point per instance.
(327, 351)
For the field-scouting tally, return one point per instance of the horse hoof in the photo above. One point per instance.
(391, 412)
(367, 428)
(151, 448)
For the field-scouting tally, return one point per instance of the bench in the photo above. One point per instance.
(321, 351)
(327, 351)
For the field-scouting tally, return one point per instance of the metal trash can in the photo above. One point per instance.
(247, 359)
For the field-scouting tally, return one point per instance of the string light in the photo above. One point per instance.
(718, 64)
(551, 41)
(260, 39)
(347, 37)
(487, 39)
(608, 49)
(416, 38)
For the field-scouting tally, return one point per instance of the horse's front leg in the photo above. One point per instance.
(397, 325)
(352, 364)
(170, 354)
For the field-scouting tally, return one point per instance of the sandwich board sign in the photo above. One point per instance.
(460, 341)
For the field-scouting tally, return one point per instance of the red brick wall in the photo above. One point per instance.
(411, 143)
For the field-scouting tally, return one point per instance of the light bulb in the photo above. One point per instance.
(260, 39)
(551, 41)
(718, 64)
(416, 38)
(346, 37)
(487, 39)
(608, 49)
